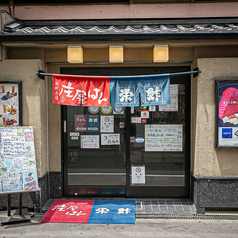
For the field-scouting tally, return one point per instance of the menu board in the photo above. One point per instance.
(164, 138)
(10, 103)
(18, 171)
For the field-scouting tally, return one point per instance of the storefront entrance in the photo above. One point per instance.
(128, 152)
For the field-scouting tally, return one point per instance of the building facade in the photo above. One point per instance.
(198, 35)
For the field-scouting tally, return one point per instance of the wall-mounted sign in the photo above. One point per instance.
(135, 120)
(132, 139)
(93, 110)
(90, 141)
(10, 103)
(138, 174)
(80, 122)
(18, 172)
(74, 135)
(92, 123)
(227, 113)
(164, 138)
(118, 110)
(145, 114)
(110, 139)
(107, 124)
(121, 124)
(106, 110)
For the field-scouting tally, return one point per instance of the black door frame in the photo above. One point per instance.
(125, 71)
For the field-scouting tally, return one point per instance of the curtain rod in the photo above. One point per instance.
(41, 74)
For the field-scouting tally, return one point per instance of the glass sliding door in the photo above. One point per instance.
(96, 153)
(128, 152)
(158, 148)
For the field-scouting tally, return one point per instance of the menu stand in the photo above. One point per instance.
(12, 216)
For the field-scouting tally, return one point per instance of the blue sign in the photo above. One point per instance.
(226, 132)
(92, 123)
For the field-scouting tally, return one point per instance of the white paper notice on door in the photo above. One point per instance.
(110, 139)
(164, 138)
(107, 124)
(138, 174)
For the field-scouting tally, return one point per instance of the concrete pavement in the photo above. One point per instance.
(143, 228)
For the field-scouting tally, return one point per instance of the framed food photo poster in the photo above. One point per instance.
(227, 113)
(10, 103)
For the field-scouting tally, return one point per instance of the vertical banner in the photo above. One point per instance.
(154, 90)
(81, 90)
(227, 113)
(124, 91)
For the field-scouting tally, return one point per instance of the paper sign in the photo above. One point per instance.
(152, 108)
(135, 120)
(107, 124)
(132, 110)
(163, 137)
(110, 139)
(138, 174)
(132, 139)
(145, 114)
(89, 141)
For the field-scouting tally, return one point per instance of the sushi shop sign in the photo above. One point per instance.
(227, 113)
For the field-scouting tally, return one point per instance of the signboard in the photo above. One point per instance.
(107, 124)
(18, 171)
(138, 174)
(10, 103)
(110, 139)
(80, 122)
(90, 141)
(227, 113)
(145, 114)
(164, 138)
(173, 106)
(118, 110)
(92, 123)
(136, 120)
